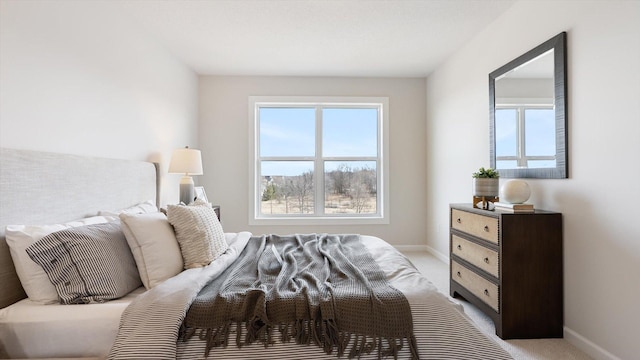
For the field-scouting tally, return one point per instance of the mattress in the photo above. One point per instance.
(31, 330)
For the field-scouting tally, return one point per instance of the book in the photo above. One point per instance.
(507, 210)
(514, 207)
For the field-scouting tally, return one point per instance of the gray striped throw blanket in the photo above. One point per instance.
(320, 289)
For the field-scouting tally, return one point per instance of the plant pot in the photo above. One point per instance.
(488, 187)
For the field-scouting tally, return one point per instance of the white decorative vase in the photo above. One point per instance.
(488, 187)
(515, 191)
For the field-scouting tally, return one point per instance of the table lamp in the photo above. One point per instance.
(188, 162)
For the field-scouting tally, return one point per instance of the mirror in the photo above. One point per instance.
(528, 113)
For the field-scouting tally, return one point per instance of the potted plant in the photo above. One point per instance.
(486, 183)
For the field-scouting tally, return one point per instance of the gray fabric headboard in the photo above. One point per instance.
(40, 188)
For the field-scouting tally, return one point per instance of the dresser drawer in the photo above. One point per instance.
(478, 255)
(482, 288)
(484, 227)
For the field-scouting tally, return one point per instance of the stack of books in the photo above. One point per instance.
(514, 207)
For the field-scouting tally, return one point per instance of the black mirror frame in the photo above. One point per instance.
(559, 45)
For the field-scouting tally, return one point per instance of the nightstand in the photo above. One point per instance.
(509, 265)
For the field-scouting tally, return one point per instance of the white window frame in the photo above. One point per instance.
(382, 215)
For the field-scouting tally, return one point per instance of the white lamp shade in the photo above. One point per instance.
(186, 161)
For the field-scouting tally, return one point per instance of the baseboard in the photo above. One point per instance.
(423, 248)
(442, 257)
(584, 344)
(412, 248)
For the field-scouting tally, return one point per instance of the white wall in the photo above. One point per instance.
(77, 78)
(224, 122)
(599, 200)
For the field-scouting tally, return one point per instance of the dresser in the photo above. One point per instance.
(509, 265)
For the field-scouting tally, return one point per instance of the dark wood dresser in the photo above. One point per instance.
(509, 265)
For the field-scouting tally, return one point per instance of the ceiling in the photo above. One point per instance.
(381, 38)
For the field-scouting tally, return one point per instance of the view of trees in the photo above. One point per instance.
(347, 190)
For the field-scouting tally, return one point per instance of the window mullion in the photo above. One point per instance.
(522, 162)
(319, 166)
(287, 158)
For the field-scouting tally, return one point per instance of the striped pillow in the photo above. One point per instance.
(90, 263)
(199, 233)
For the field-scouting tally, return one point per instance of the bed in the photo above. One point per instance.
(46, 188)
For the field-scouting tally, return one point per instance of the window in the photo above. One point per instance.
(521, 141)
(318, 160)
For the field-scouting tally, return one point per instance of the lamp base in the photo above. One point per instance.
(187, 192)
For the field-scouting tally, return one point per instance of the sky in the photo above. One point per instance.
(538, 122)
(291, 132)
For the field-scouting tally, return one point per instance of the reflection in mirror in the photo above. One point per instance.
(525, 120)
(528, 113)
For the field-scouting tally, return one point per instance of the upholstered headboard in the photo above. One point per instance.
(39, 188)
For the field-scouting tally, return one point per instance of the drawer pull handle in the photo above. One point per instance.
(486, 260)
(486, 228)
(459, 221)
(486, 292)
(459, 247)
(458, 273)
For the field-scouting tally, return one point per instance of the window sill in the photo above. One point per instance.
(319, 221)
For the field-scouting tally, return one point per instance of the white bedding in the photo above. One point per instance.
(30, 330)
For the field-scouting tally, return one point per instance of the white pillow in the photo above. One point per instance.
(199, 233)
(32, 277)
(154, 246)
(141, 208)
